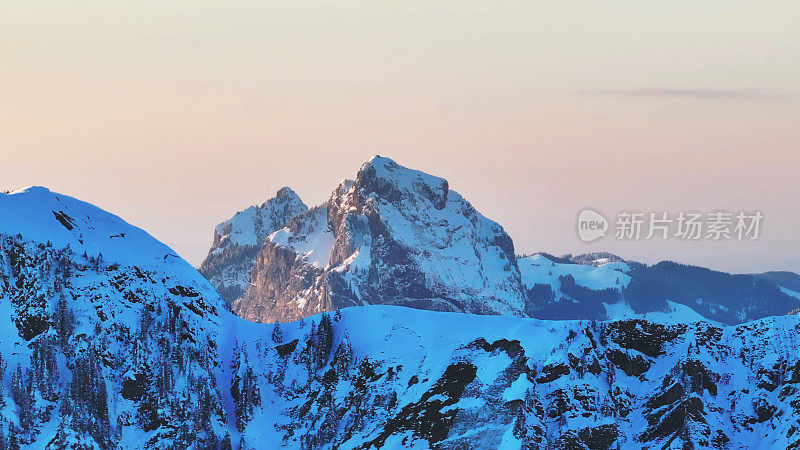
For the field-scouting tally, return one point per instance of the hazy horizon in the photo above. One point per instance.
(176, 115)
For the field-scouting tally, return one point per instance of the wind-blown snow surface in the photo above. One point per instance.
(393, 236)
(238, 240)
(135, 350)
(44, 216)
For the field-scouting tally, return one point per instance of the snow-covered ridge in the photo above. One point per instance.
(393, 183)
(44, 216)
(253, 225)
(88, 232)
(309, 236)
(424, 379)
(89, 305)
(539, 269)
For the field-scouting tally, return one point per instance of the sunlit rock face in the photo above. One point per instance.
(392, 236)
(238, 240)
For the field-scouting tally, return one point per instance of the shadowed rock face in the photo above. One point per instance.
(392, 236)
(238, 240)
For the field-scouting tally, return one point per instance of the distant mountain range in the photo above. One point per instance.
(108, 339)
(397, 236)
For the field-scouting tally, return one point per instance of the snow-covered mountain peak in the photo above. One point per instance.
(394, 235)
(89, 304)
(286, 191)
(253, 225)
(384, 178)
(43, 216)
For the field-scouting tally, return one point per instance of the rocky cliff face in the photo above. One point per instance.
(238, 240)
(392, 236)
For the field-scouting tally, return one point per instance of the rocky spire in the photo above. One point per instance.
(238, 239)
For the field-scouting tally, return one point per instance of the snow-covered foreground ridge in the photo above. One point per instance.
(135, 350)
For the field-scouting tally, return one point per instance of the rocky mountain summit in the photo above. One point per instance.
(392, 236)
(238, 240)
(397, 236)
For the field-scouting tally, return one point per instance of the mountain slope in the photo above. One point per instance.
(238, 240)
(392, 236)
(106, 335)
(569, 291)
(786, 280)
(724, 297)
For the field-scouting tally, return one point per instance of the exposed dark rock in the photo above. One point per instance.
(65, 220)
(675, 419)
(552, 372)
(599, 437)
(425, 418)
(134, 389)
(286, 349)
(632, 365)
(700, 377)
(646, 337)
(667, 397)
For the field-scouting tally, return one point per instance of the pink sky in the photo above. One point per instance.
(177, 115)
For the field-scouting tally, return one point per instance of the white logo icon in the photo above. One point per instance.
(591, 225)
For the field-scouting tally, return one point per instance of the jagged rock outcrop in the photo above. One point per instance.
(392, 236)
(238, 240)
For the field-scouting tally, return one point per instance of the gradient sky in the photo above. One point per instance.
(175, 115)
